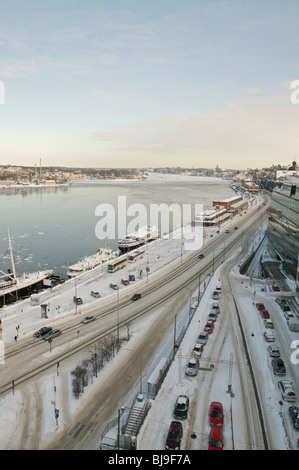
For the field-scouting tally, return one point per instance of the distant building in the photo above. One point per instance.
(283, 227)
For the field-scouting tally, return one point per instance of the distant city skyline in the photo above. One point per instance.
(132, 84)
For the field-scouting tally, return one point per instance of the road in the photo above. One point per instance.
(162, 301)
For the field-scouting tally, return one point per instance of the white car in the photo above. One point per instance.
(268, 335)
(197, 350)
(88, 319)
(192, 366)
(287, 390)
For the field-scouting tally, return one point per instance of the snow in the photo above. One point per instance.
(160, 255)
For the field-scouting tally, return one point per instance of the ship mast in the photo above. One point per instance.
(11, 256)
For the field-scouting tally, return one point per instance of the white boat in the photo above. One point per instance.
(13, 286)
(133, 240)
(90, 262)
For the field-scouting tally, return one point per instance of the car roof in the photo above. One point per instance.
(182, 399)
(216, 432)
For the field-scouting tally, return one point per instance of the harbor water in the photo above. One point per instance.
(52, 228)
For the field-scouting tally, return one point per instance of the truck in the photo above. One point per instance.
(293, 324)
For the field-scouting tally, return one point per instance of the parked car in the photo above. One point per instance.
(203, 338)
(95, 294)
(269, 336)
(215, 306)
(125, 282)
(78, 300)
(264, 314)
(275, 288)
(294, 414)
(209, 327)
(216, 414)
(212, 317)
(192, 366)
(114, 286)
(269, 323)
(197, 350)
(283, 304)
(215, 439)
(174, 436)
(136, 297)
(42, 331)
(278, 366)
(52, 334)
(88, 319)
(215, 295)
(181, 407)
(260, 306)
(274, 350)
(289, 315)
(285, 307)
(287, 390)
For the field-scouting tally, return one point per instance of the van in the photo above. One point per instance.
(293, 325)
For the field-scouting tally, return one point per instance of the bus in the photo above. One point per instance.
(135, 256)
(116, 264)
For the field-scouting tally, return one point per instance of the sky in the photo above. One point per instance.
(133, 83)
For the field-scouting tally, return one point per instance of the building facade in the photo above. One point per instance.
(283, 227)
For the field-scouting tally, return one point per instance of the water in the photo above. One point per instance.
(51, 228)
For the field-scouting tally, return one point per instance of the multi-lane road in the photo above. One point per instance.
(163, 298)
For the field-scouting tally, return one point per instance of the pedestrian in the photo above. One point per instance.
(16, 338)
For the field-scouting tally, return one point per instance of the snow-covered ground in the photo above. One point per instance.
(160, 255)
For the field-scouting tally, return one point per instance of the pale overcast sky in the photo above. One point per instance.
(136, 83)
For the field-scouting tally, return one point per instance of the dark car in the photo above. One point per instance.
(278, 366)
(174, 436)
(44, 330)
(52, 334)
(201, 256)
(181, 407)
(136, 297)
(78, 300)
(294, 414)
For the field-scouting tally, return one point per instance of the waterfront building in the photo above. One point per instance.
(283, 227)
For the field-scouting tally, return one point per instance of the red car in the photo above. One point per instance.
(260, 306)
(209, 327)
(265, 314)
(215, 439)
(125, 282)
(174, 436)
(275, 287)
(216, 414)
